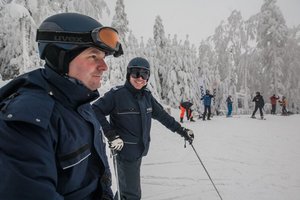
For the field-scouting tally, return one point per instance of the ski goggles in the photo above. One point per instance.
(138, 72)
(105, 38)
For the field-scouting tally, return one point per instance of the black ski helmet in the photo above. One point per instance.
(137, 62)
(63, 36)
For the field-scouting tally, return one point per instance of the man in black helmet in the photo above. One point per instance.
(131, 108)
(259, 104)
(51, 144)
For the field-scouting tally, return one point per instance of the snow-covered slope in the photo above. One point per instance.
(248, 159)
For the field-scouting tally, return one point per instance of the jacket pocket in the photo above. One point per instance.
(131, 151)
(128, 111)
(71, 158)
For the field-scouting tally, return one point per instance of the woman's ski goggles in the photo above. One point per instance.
(105, 38)
(138, 72)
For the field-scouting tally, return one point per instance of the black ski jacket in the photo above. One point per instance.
(51, 144)
(130, 112)
(259, 101)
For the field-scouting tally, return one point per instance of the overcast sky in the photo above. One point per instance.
(197, 18)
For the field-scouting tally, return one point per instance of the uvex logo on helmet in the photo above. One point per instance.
(71, 39)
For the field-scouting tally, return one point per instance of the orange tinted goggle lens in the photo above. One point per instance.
(109, 37)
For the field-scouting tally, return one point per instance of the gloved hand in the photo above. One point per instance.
(116, 143)
(186, 133)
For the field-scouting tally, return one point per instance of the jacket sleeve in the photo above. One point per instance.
(103, 107)
(27, 149)
(262, 102)
(106, 185)
(27, 162)
(163, 117)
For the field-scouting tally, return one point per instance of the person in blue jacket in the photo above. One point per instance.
(131, 108)
(51, 144)
(207, 104)
(229, 106)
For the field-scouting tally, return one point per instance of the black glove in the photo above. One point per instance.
(186, 133)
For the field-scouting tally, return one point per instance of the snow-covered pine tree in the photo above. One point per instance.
(17, 54)
(292, 68)
(271, 40)
(120, 21)
(162, 61)
(159, 32)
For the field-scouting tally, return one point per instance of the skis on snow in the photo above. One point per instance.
(261, 118)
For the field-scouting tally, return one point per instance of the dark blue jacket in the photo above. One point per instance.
(207, 99)
(51, 145)
(130, 112)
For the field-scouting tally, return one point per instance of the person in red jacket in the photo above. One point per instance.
(273, 100)
(185, 106)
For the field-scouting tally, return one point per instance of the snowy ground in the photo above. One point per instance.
(248, 159)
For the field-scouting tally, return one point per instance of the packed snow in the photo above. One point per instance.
(247, 159)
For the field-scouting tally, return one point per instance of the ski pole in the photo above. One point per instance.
(114, 153)
(205, 170)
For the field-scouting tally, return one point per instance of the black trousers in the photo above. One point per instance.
(207, 110)
(129, 179)
(260, 111)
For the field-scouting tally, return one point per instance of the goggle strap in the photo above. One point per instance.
(74, 38)
(63, 37)
(138, 68)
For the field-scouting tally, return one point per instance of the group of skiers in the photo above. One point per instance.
(282, 102)
(259, 104)
(185, 106)
(258, 100)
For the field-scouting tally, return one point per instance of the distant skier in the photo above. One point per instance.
(259, 104)
(229, 106)
(273, 100)
(185, 107)
(207, 104)
(283, 103)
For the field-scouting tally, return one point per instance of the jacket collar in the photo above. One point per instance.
(69, 93)
(133, 90)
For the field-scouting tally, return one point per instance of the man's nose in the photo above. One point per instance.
(102, 65)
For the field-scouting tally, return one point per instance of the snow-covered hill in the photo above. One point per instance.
(248, 159)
